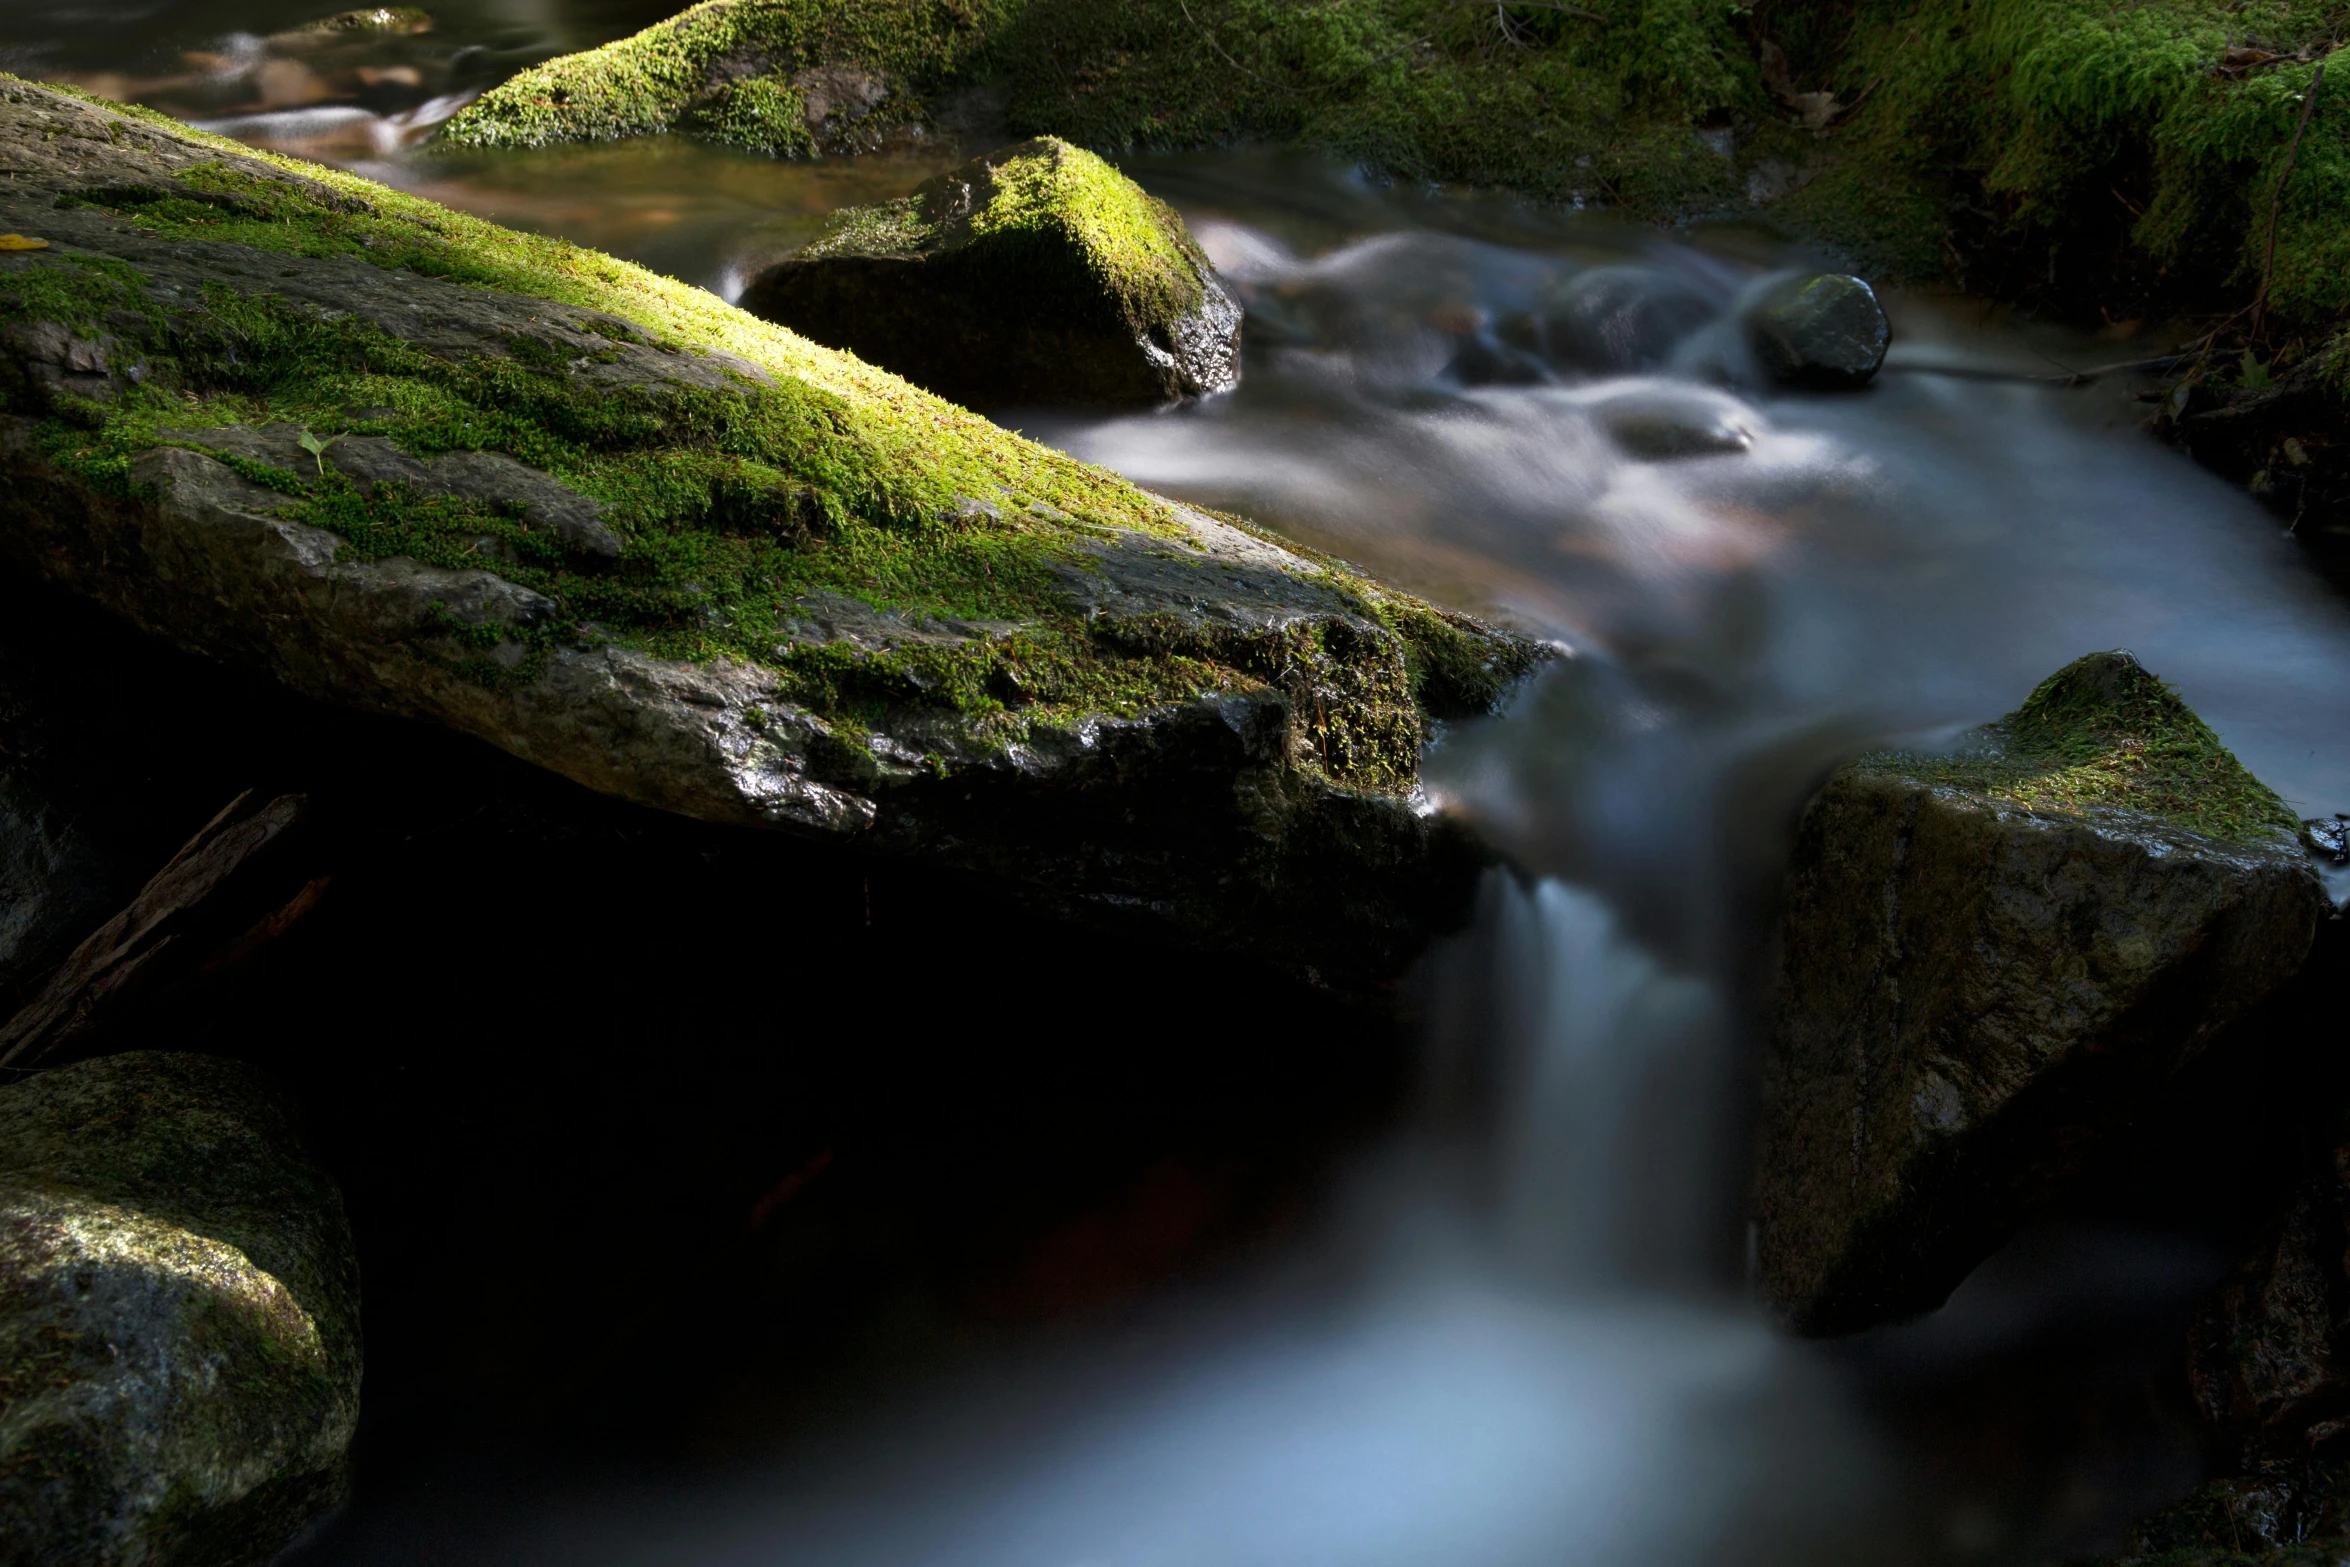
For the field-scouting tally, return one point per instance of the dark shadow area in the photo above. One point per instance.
(667, 1144)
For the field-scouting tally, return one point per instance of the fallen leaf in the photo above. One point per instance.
(19, 242)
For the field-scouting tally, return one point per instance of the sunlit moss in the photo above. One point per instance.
(2102, 734)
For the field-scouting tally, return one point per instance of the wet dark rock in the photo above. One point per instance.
(1993, 959)
(1661, 423)
(1825, 332)
(1613, 319)
(2293, 1516)
(1484, 360)
(179, 1317)
(1036, 274)
(64, 865)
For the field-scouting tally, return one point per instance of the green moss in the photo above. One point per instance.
(2086, 145)
(658, 79)
(1030, 209)
(2104, 734)
(761, 114)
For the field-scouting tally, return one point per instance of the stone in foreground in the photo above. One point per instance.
(179, 1317)
(403, 460)
(1992, 958)
(1036, 274)
(1825, 332)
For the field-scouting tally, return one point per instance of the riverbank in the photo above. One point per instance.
(2156, 163)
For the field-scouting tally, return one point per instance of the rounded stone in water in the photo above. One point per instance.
(1825, 331)
(1618, 318)
(1665, 421)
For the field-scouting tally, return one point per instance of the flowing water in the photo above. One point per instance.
(1519, 1332)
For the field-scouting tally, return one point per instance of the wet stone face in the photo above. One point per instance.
(1825, 332)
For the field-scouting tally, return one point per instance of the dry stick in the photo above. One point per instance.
(1210, 39)
(2276, 197)
(111, 962)
(2066, 378)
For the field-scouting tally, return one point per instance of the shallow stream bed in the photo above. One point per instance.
(1472, 1294)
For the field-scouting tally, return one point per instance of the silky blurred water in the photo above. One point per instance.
(1520, 1336)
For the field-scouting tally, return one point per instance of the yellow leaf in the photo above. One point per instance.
(19, 242)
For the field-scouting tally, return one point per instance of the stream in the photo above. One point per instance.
(1511, 1327)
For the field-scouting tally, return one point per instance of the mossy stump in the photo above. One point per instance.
(407, 461)
(179, 1318)
(1992, 957)
(1035, 274)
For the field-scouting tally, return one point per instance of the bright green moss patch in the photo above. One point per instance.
(761, 114)
(1030, 208)
(662, 78)
(2104, 734)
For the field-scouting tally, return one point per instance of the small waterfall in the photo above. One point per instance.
(1612, 1131)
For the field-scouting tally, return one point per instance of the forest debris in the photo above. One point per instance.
(1814, 111)
(121, 958)
(2244, 59)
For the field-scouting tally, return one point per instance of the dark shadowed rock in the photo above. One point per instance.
(179, 1318)
(1990, 960)
(1826, 331)
(1037, 274)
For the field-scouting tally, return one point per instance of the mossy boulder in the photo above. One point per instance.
(410, 462)
(790, 78)
(1035, 274)
(1992, 958)
(179, 1317)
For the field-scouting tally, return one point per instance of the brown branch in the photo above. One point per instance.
(2276, 197)
(119, 957)
(2062, 378)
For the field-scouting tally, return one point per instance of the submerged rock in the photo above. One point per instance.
(1826, 331)
(1665, 421)
(1990, 959)
(179, 1317)
(607, 523)
(1615, 319)
(1036, 274)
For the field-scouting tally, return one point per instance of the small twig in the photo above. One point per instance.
(1210, 39)
(2068, 378)
(2276, 197)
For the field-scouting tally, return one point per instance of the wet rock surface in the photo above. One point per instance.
(1992, 960)
(1611, 320)
(1246, 720)
(179, 1317)
(1035, 274)
(1825, 332)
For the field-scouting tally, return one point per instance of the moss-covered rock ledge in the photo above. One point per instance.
(1991, 957)
(409, 461)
